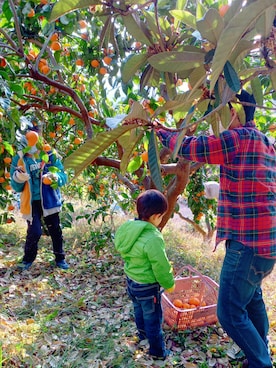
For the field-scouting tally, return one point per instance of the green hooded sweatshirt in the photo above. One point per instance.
(142, 248)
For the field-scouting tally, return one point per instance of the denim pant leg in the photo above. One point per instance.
(53, 225)
(34, 233)
(257, 314)
(146, 300)
(241, 310)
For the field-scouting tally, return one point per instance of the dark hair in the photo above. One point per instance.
(244, 96)
(151, 202)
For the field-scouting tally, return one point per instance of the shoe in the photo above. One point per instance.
(25, 265)
(62, 264)
(167, 353)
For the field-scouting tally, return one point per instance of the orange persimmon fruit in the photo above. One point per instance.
(32, 138)
(177, 303)
(193, 300)
(46, 180)
(145, 156)
(223, 10)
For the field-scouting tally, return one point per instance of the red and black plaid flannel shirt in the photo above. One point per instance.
(247, 200)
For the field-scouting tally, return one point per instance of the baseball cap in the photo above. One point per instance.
(244, 96)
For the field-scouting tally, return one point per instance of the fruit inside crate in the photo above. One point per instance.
(198, 295)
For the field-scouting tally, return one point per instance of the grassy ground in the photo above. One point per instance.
(83, 318)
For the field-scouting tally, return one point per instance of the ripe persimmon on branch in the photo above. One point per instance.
(35, 74)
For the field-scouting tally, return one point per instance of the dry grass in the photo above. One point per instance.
(81, 318)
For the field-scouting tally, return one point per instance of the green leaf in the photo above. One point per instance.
(165, 27)
(128, 141)
(64, 20)
(196, 75)
(202, 105)
(225, 116)
(150, 77)
(134, 164)
(151, 21)
(180, 4)
(257, 90)
(93, 148)
(200, 10)
(233, 33)
(53, 169)
(249, 72)
(44, 156)
(173, 61)
(214, 120)
(66, 6)
(107, 32)
(170, 85)
(182, 134)
(235, 7)
(240, 111)
(211, 26)
(137, 112)
(7, 10)
(132, 65)
(69, 207)
(133, 26)
(231, 77)
(180, 102)
(227, 94)
(134, 2)
(240, 51)
(185, 17)
(5, 75)
(154, 163)
(265, 23)
(17, 89)
(8, 148)
(273, 79)
(54, 185)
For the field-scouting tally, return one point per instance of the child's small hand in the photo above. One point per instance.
(20, 176)
(52, 176)
(170, 290)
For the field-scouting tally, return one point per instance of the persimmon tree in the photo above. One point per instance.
(100, 75)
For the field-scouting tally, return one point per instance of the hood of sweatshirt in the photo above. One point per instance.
(128, 233)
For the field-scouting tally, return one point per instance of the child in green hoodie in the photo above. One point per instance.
(147, 267)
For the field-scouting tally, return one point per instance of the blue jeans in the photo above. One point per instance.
(146, 299)
(34, 232)
(241, 309)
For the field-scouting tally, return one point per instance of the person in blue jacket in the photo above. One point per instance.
(39, 200)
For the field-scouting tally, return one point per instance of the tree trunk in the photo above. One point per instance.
(176, 187)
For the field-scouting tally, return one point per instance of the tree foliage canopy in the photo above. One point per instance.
(100, 75)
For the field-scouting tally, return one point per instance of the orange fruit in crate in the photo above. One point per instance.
(193, 300)
(177, 303)
(186, 306)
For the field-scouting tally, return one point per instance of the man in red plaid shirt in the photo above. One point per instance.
(246, 221)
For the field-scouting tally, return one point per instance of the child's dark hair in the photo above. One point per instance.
(149, 203)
